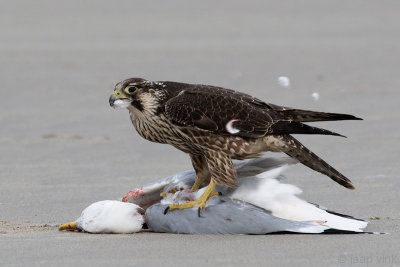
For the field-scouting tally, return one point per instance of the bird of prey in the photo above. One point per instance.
(215, 125)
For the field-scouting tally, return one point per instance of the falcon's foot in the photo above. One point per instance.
(200, 202)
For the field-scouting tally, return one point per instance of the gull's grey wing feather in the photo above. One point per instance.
(259, 165)
(226, 217)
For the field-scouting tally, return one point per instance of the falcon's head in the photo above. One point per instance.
(138, 94)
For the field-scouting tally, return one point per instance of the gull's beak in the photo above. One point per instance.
(119, 100)
(72, 226)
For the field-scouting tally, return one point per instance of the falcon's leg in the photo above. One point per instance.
(221, 168)
(222, 172)
(202, 173)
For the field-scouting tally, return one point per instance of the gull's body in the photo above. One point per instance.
(261, 204)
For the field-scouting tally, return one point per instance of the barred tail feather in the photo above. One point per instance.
(307, 157)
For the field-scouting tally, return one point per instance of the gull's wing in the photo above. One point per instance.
(227, 217)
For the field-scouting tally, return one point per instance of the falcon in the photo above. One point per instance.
(215, 125)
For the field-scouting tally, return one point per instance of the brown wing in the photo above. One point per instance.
(301, 115)
(211, 108)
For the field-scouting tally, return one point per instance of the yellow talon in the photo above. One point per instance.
(200, 202)
(72, 226)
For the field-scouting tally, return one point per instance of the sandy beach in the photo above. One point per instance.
(62, 147)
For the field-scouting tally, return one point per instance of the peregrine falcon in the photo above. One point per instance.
(215, 125)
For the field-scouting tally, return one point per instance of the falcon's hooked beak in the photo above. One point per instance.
(119, 100)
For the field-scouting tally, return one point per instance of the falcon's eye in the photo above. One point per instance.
(130, 89)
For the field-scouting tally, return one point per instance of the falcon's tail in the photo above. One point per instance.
(293, 127)
(307, 157)
(309, 116)
(301, 115)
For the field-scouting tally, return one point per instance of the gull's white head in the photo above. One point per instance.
(108, 216)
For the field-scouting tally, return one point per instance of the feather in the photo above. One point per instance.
(212, 109)
(260, 204)
(293, 127)
(301, 115)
